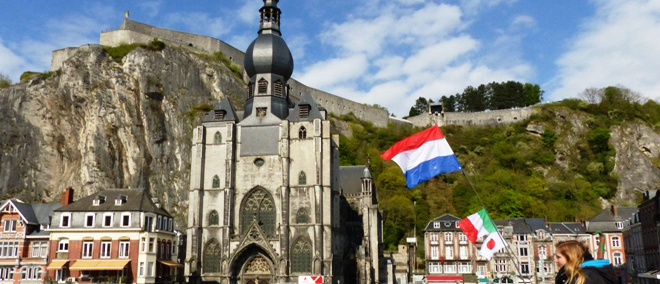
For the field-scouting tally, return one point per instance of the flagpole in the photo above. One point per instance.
(508, 249)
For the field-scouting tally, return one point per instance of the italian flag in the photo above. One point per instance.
(479, 224)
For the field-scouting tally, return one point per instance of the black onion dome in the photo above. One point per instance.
(268, 53)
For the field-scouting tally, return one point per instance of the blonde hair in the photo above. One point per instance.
(574, 252)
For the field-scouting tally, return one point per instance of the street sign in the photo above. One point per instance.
(310, 279)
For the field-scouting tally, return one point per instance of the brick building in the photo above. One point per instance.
(113, 235)
(24, 240)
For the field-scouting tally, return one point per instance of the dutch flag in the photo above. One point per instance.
(423, 156)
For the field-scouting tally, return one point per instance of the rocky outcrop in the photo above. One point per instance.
(99, 124)
(637, 145)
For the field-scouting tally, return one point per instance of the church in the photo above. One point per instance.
(268, 200)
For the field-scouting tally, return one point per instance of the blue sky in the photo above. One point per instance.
(388, 52)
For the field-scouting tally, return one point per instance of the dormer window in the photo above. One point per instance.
(278, 88)
(303, 111)
(121, 200)
(250, 90)
(219, 114)
(99, 200)
(263, 87)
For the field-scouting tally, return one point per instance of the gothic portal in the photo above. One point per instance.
(268, 200)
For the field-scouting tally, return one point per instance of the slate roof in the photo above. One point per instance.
(447, 223)
(523, 225)
(314, 111)
(44, 211)
(224, 105)
(137, 200)
(34, 214)
(607, 216)
(350, 179)
(570, 228)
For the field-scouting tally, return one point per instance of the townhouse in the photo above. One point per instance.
(115, 235)
(24, 241)
(642, 241)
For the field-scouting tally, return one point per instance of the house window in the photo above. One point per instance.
(107, 220)
(302, 178)
(522, 251)
(263, 87)
(105, 249)
(302, 133)
(542, 251)
(150, 269)
(522, 238)
(481, 267)
(524, 267)
(63, 245)
(10, 225)
(436, 225)
(434, 267)
(434, 252)
(8, 249)
(463, 251)
(169, 227)
(278, 88)
(301, 256)
(7, 273)
(449, 237)
(65, 220)
(302, 216)
(464, 267)
(31, 273)
(143, 244)
(158, 223)
(501, 265)
(616, 242)
(449, 252)
(141, 268)
(212, 256)
(450, 268)
(618, 259)
(433, 238)
(303, 111)
(216, 182)
(125, 219)
(89, 219)
(619, 225)
(462, 237)
(44, 249)
(124, 249)
(36, 249)
(87, 249)
(217, 139)
(151, 245)
(148, 223)
(214, 219)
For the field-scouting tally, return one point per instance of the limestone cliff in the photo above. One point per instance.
(101, 124)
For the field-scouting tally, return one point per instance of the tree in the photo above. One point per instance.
(4, 81)
(591, 95)
(533, 94)
(421, 106)
(475, 98)
(448, 103)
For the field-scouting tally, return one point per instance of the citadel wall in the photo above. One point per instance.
(135, 32)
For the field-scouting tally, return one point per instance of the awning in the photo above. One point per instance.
(99, 264)
(56, 264)
(654, 274)
(170, 263)
(443, 278)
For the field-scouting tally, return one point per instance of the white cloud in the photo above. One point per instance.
(248, 13)
(437, 56)
(523, 21)
(618, 45)
(473, 7)
(324, 75)
(11, 64)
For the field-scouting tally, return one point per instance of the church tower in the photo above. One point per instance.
(263, 198)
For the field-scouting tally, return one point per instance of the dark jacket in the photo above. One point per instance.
(599, 272)
(561, 277)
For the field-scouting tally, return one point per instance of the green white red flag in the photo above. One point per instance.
(479, 224)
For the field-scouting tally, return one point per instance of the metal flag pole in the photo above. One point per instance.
(508, 249)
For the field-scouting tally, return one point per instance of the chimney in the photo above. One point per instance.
(615, 210)
(67, 197)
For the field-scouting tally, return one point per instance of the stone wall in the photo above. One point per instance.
(60, 55)
(482, 118)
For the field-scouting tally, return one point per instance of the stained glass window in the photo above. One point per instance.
(216, 181)
(213, 218)
(217, 139)
(212, 256)
(302, 133)
(301, 256)
(258, 265)
(302, 178)
(302, 216)
(259, 206)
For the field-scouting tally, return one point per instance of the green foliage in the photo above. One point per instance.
(494, 95)
(155, 45)
(198, 109)
(31, 75)
(421, 106)
(4, 81)
(549, 138)
(118, 52)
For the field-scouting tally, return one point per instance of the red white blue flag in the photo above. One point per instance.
(423, 156)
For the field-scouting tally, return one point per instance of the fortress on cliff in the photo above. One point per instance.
(135, 32)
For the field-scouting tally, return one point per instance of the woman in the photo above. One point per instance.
(577, 266)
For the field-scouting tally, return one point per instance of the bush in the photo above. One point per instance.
(155, 45)
(118, 52)
(4, 81)
(31, 75)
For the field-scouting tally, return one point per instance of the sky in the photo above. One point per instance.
(386, 52)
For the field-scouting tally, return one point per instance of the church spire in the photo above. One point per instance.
(270, 18)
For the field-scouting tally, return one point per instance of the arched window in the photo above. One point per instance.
(214, 219)
(263, 87)
(260, 207)
(212, 256)
(278, 88)
(618, 259)
(302, 216)
(217, 139)
(302, 178)
(301, 256)
(216, 181)
(302, 133)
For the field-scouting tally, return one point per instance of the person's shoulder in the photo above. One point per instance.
(599, 271)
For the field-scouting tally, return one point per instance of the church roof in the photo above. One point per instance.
(350, 179)
(136, 200)
(224, 110)
(314, 112)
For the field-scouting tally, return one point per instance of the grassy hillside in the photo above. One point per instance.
(560, 170)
